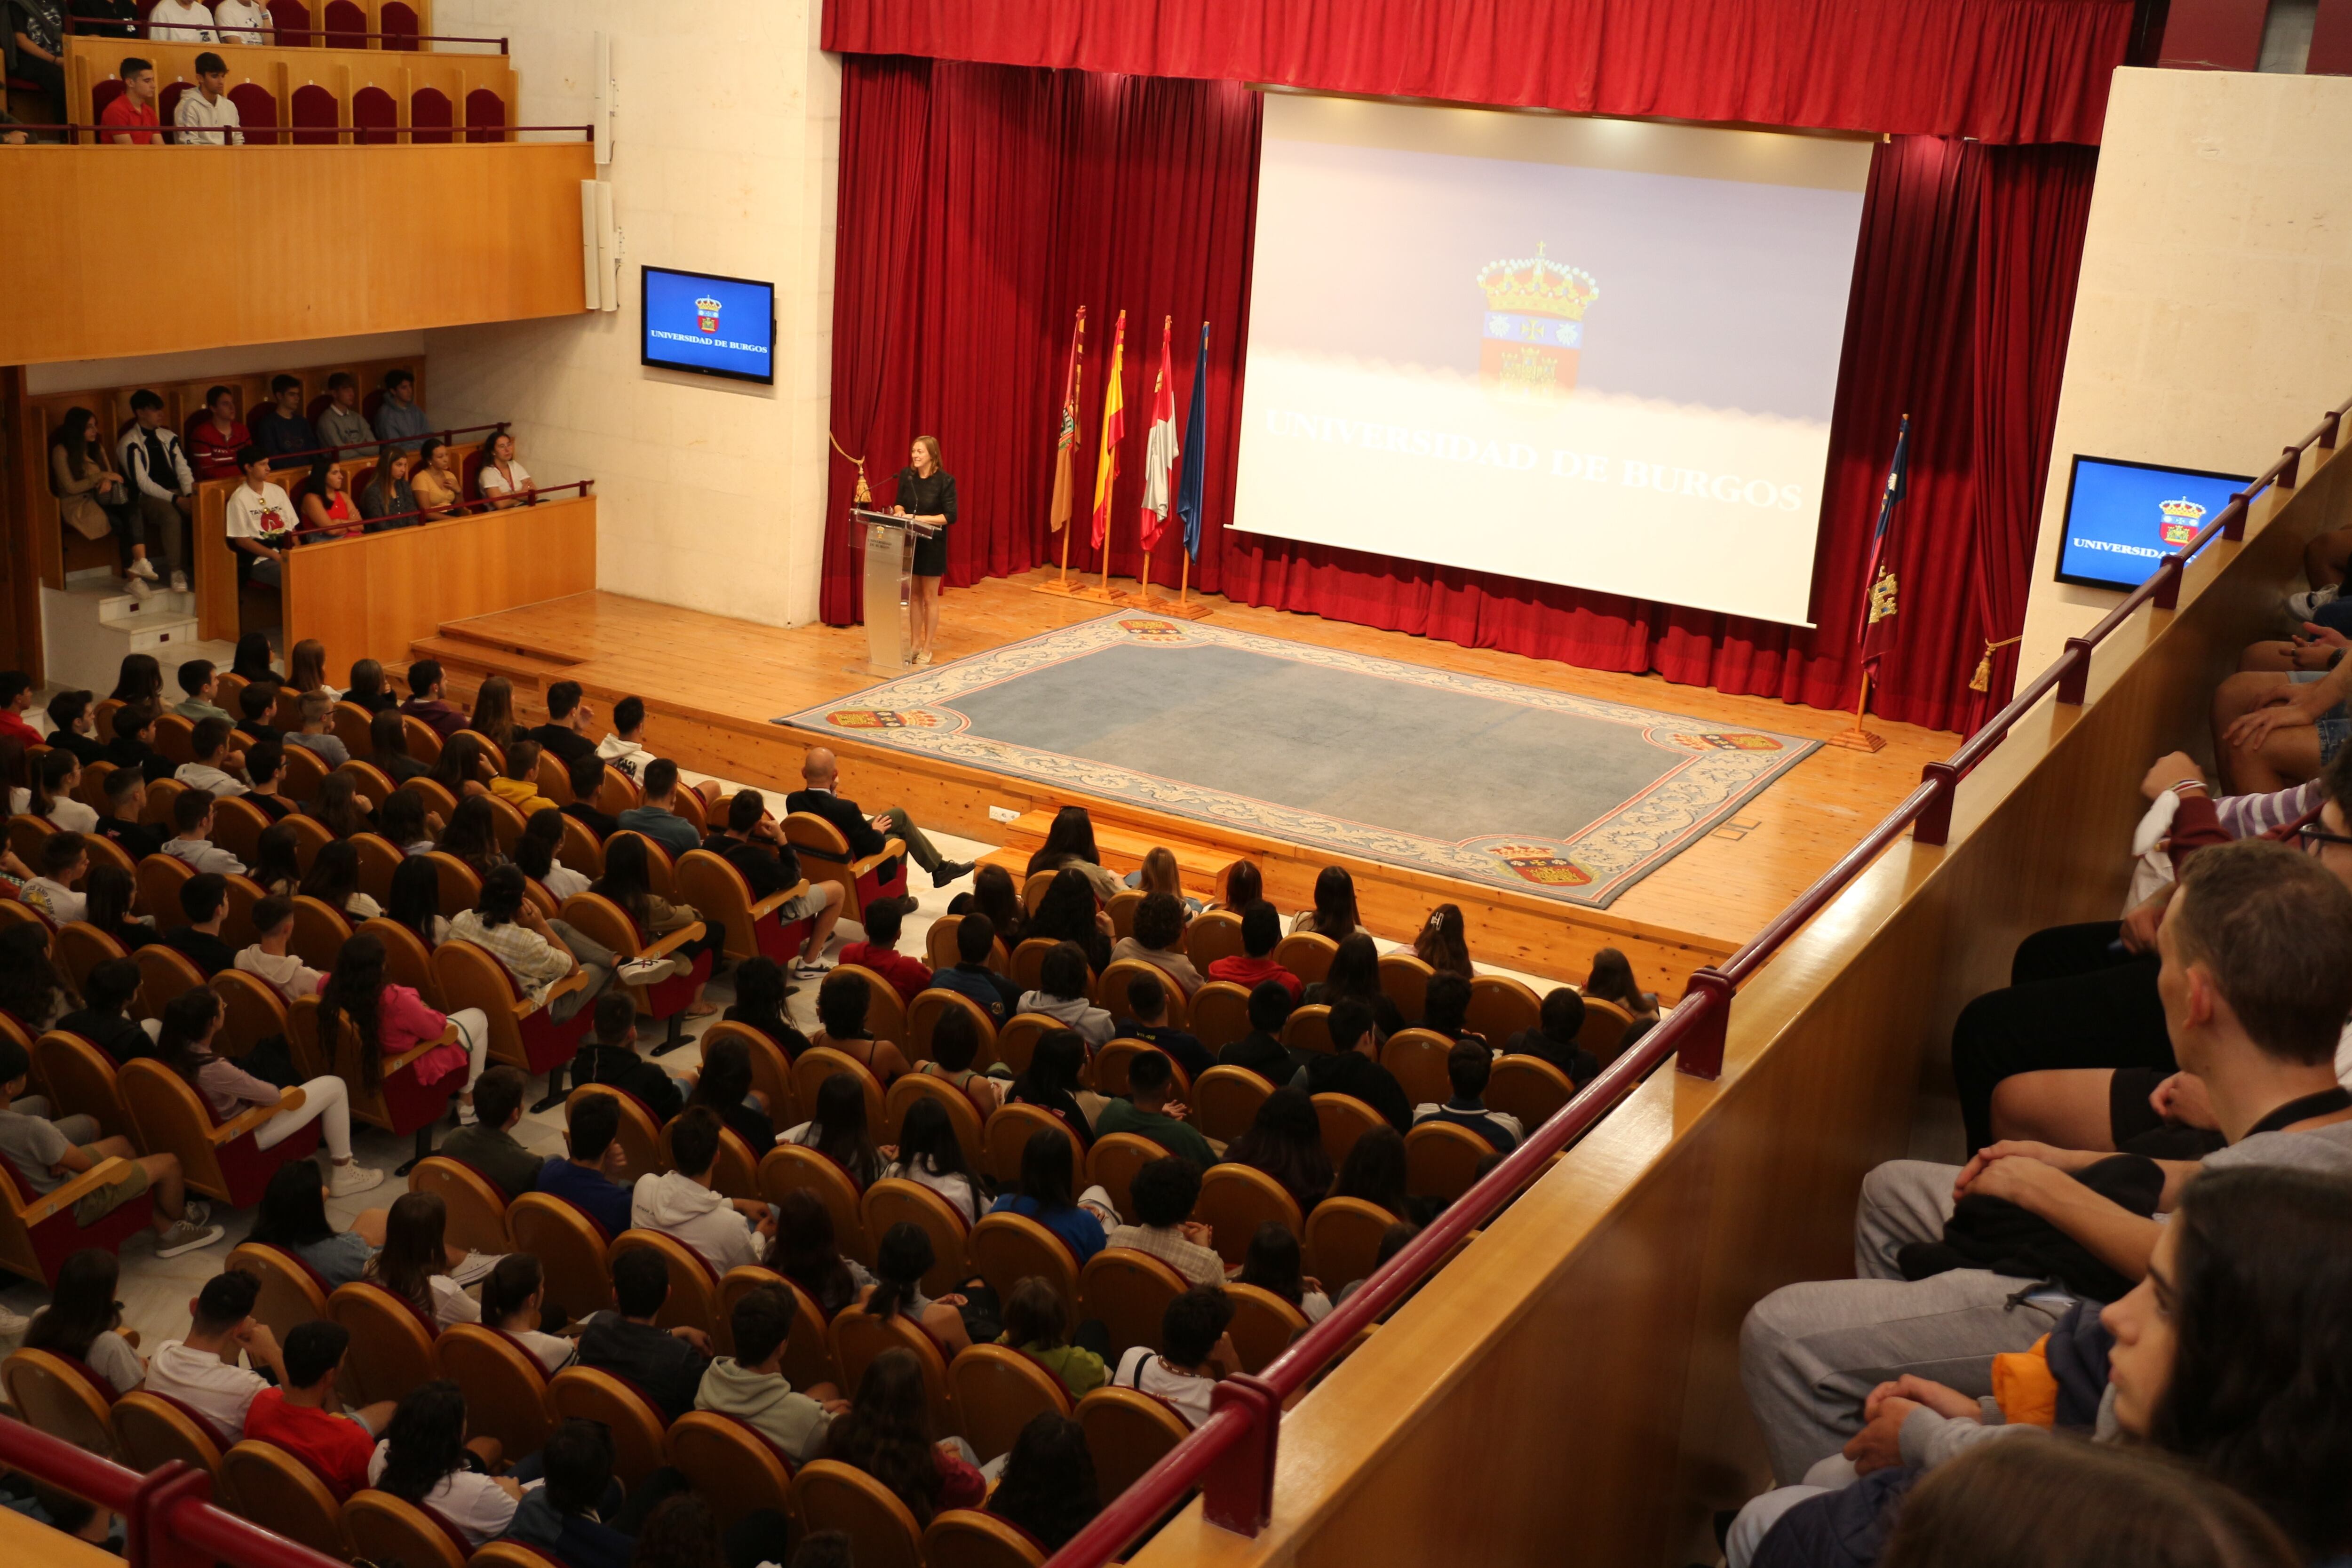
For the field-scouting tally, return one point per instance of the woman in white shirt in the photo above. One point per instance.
(413, 1263)
(504, 481)
(81, 1317)
(422, 1460)
(534, 852)
(931, 1154)
(52, 795)
(511, 1299)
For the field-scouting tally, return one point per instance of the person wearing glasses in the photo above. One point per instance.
(2059, 1090)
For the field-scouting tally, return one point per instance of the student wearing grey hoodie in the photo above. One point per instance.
(751, 1386)
(679, 1202)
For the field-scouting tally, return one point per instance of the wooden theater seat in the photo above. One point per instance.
(965, 1538)
(151, 1431)
(384, 1528)
(505, 1385)
(1346, 1118)
(1007, 1248)
(753, 930)
(1343, 1240)
(923, 1014)
(1405, 980)
(882, 1532)
(1029, 962)
(82, 1081)
(1263, 1324)
(291, 1292)
(1529, 1087)
(62, 1397)
(252, 1010)
(391, 1343)
(38, 1234)
(1234, 1201)
(221, 1160)
(1129, 1291)
(1500, 1007)
(600, 920)
(285, 1496)
(1112, 1061)
(1307, 954)
(1309, 1029)
(1128, 1433)
(476, 1205)
(1220, 1015)
(885, 1013)
(896, 1200)
(1441, 1160)
(570, 1247)
(523, 1034)
(818, 1063)
(998, 1391)
(693, 1299)
(1212, 936)
(399, 1102)
(1416, 1060)
(1226, 1102)
(1112, 1162)
(788, 1168)
(635, 1422)
(730, 1464)
(640, 1137)
(1008, 1135)
(1018, 1038)
(857, 1336)
(80, 947)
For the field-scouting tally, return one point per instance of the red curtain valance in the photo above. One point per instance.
(1996, 70)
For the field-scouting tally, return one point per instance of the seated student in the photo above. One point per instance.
(388, 502)
(1334, 914)
(1285, 1140)
(463, 769)
(975, 936)
(657, 818)
(819, 795)
(126, 799)
(1047, 1177)
(805, 1253)
(759, 993)
(406, 824)
(415, 1261)
(2257, 947)
(1393, 1240)
(1164, 1194)
(1255, 965)
(725, 1086)
(955, 1044)
(339, 807)
(132, 750)
(276, 867)
(218, 767)
(1056, 1065)
(1037, 1325)
(108, 893)
(421, 1462)
(103, 1020)
(518, 785)
(292, 1217)
(435, 481)
(1048, 1488)
(879, 952)
(315, 736)
(270, 957)
(1468, 1065)
(265, 773)
(493, 717)
(1554, 1037)
(627, 882)
(214, 440)
(64, 859)
(1262, 1050)
(203, 899)
(841, 1005)
(992, 894)
(341, 424)
(667, 1365)
(280, 430)
(416, 900)
(73, 727)
(931, 1154)
(1612, 980)
(392, 1019)
(565, 1519)
(535, 856)
(901, 1258)
(569, 714)
(489, 1144)
(513, 1296)
(1158, 941)
(1445, 1006)
(368, 689)
(425, 702)
(503, 481)
(200, 682)
(837, 1131)
(1159, 873)
(1196, 1352)
(1061, 993)
(625, 749)
(15, 699)
(539, 952)
(1149, 1111)
(1070, 846)
(51, 797)
(886, 1432)
(32, 990)
(80, 1321)
(1441, 943)
(260, 522)
(610, 1056)
(587, 777)
(1070, 912)
(201, 1371)
(590, 1179)
(679, 1202)
(399, 417)
(190, 1022)
(256, 703)
(191, 816)
(304, 1417)
(388, 738)
(1353, 1067)
(1275, 1263)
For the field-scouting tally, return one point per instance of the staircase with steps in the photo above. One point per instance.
(468, 657)
(92, 622)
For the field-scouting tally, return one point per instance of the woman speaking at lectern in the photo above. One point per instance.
(926, 494)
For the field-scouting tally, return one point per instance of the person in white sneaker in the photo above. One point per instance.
(45, 1155)
(190, 1022)
(162, 482)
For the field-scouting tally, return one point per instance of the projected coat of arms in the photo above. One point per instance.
(706, 314)
(1534, 328)
(2180, 520)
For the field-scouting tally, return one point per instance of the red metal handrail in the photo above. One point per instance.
(283, 462)
(98, 27)
(168, 1514)
(1231, 1456)
(457, 509)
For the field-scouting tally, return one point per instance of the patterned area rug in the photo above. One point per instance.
(1488, 780)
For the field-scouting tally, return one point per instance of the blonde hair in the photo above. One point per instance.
(938, 462)
(1160, 874)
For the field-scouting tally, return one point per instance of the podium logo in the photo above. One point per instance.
(1533, 333)
(706, 314)
(1542, 864)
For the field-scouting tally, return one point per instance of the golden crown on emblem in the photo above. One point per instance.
(706, 305)
(1537, 285)
(2184, 509)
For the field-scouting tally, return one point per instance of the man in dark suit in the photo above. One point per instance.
(821, 797)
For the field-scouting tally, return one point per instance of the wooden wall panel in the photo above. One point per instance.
(504, 243)
(370, 597)
(1580, 1360)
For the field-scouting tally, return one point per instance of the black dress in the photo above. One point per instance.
(925, 498)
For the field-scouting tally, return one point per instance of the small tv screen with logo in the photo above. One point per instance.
(709, 324)
(2123, 519)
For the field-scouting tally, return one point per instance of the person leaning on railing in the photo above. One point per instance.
(504, 481)
(260, 518)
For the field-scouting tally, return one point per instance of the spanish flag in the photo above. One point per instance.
(1065, 430)
(1114, 431)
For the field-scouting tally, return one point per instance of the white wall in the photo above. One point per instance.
(2214, 321)
(726, 148)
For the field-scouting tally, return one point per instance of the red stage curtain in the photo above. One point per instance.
(980, 204)
(1998, 71)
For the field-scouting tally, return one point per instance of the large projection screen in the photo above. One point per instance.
(1595, 352)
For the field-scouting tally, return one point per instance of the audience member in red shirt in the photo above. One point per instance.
(214, 439)
(1261, 930)
(306, 1420)
(879, 950)
(134, 108)
(16, 696)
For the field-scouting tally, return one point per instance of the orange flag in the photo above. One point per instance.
(1065, 439)
(1114, 431)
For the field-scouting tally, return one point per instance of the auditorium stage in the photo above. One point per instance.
(712, 685)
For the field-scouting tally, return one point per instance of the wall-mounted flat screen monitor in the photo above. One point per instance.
(2123, 519)
(709, 324)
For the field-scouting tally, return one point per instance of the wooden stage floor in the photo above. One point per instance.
(713, 684)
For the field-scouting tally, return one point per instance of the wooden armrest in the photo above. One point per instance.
(252, 1118)
(103, 1174)
(575, 980)
(449, 1038)
(775, 902)
(891, 849)
(662, 947)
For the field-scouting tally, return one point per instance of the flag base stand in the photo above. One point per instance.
(1858, 739)
(1067, 588)
(1181, 609)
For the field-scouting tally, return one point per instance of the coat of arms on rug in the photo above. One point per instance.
(1730, 741)
(881, 719)
(1541, 864)
(1162, 630)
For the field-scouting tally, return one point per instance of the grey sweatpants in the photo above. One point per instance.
(1810, 1353)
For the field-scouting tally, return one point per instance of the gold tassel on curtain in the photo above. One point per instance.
(864, 497)
(1982, 680)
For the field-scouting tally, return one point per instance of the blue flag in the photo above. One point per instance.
(1196, 452)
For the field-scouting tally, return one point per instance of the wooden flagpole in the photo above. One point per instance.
(1858, 739)
(1185, 587)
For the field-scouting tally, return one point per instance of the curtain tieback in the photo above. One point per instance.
(1982, 680)
(864, 496)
